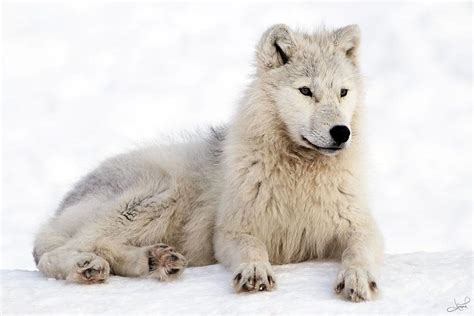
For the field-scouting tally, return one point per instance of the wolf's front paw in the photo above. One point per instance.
(164, 262)
(89, 269)
(254, 276)
(356, 284)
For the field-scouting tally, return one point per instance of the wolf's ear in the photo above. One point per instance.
(348, 39)
(276, 47)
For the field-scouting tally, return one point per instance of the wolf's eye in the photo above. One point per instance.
(343, 92)
(306, 91)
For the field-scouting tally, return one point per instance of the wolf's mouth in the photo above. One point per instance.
(331, 149)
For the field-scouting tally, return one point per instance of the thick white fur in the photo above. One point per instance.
(248, 195)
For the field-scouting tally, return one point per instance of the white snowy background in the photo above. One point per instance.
(82, 82)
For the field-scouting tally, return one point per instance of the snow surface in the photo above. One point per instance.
(411, 283)
(88, 80)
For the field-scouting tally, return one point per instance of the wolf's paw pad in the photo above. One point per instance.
(164, 263)
(356, 285)
(253, 277)
(90, 269)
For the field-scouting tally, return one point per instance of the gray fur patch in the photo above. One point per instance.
(35, 256)
(108, 179)
(131, 209)
(215, 141)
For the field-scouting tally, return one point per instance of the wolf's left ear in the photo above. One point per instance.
(276, 47)
(348, 39)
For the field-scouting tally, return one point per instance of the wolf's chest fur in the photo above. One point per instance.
(302, 211)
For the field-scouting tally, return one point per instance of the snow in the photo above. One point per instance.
(85, 81)
(411, 283)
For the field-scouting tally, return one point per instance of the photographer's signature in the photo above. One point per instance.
(459, 306)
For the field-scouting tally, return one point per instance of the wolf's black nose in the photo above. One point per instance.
(340, 133)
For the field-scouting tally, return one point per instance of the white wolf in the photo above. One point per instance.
(281, 183)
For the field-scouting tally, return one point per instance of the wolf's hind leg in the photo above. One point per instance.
(74, 266)
(157, 261)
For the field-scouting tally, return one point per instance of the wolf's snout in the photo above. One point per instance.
(340, 134)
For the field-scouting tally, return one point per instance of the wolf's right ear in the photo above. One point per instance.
(276, 47)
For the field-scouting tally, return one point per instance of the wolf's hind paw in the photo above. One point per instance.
(89, 269)
(164, 263)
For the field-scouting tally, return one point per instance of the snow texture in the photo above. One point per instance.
(87, 80)
(411, 283)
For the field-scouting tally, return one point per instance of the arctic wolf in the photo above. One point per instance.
(283, 182)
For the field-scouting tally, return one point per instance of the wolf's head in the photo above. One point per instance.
(314, 82)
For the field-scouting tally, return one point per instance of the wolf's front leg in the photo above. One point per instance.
(248, 257)
(361, 260)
